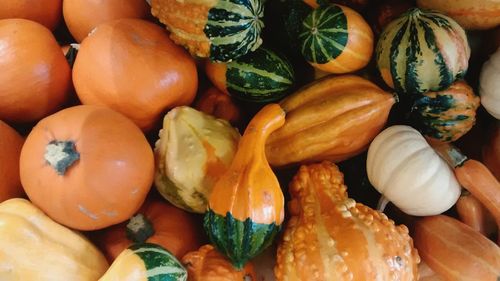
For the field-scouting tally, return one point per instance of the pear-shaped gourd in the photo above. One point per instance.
(408, 172)
(246, 206)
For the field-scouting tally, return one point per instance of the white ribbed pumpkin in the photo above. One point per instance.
(408, 172)
(489, 85)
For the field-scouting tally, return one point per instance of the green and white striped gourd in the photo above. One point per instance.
(260, 76)
(145, 262)
(422, 51)
(221, 30)
(336, 39)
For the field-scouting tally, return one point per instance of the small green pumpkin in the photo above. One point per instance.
(422, 51)
(446, 115)
(260, 76)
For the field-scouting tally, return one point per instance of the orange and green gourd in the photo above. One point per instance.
(246, 206)
(336, 39)
(221, 30)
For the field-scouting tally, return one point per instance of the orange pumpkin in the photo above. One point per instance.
(81, 16)
(218, 104)
(10, 149)
(455, 251)
(46, 12)
(156, 222)
(207, 264)
(36, 77)
(132, 66)
(87, 167)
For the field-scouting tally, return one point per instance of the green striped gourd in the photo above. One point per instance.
(446, 115)
(336, 39)
(218, 29)
(260, 76)
(246, 206)
(145, 262)
(422, 51)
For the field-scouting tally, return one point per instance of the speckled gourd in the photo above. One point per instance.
(331, 237)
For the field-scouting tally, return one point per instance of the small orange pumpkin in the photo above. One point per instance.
(218, 104)
(10, 149)
(87, 167)
(81, 16)
(207, 264)
(36, 78)
(156, 222)
(46, 12)
(131, 66)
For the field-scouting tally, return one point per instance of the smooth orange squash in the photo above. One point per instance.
(246, 206)
(207, 264)
(156, 222)
(455, 251)
(131, 66)
(46, 12)
(81, 16)
(87, 167)
(331, 237)
(333, 119)
(218, 104)
(491, 151)
(10, 149)
(474, 214)
(36, 78)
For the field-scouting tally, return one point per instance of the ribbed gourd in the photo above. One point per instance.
(331, 237)
(221, 30)
(422, 51)
(246, 206)
(336, 39)
(260, 76)
(145, 262)
(446, 115)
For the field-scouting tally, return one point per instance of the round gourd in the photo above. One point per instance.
(87, 167)
(36, 78)
(81, 16)
(336, 39)
(422, 51)
(221, 30)
(145, 262)
(155, 222)
(489, 85)
(10, 149)
(141, 72)
(408, 172)
(446, 115)
(260, 76)
(219, 104)
(46, 12)
(479, 14)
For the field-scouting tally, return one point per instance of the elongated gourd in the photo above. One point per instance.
(333, 119)
(246, 206)
(331, 237)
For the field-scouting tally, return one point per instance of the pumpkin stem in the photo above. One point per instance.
(451, 154)
(382, 203)
(71, 54)
(61, 155)
(139, 229)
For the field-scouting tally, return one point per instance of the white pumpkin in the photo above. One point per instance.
(408, 172)
(489, 85)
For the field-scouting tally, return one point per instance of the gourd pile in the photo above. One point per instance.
(250, 140)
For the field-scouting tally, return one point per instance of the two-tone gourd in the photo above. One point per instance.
(336, 39)
(246, 206)
(260, 76)
(221, 30)
(422, 51)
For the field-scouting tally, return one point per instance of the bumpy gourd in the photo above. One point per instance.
(246, 206)
(221, 30)
(330, 119)
(331, 237)
(422, 51)
(207, 264)
(446, 115)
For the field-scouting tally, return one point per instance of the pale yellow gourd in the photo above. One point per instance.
(34, 247)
